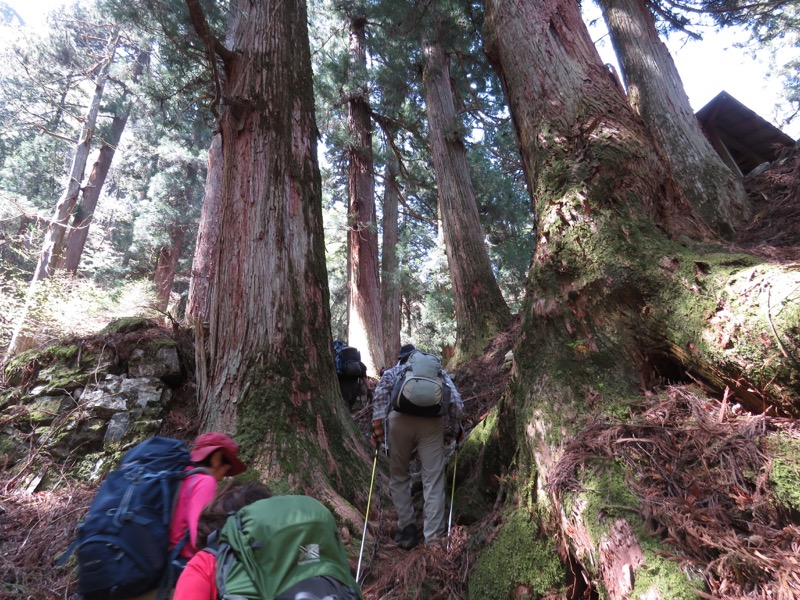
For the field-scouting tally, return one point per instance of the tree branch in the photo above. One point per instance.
(214, 48)
(203, 29)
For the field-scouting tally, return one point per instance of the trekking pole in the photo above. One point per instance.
(452, 495)
(366, 517)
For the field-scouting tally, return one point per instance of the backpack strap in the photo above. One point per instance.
(67, 553)
(175, 563)
(396, 387)
(225, 559)
(174, 566)
(167, 515)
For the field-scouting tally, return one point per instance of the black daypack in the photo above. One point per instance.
(348, 363)
(420, 389)
(123, 543)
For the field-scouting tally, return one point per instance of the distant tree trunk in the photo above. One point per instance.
(58, 115)
(166, 263)
(615, 292)
(53, 244)
(364, 328)
(656, 93)
(79, 231)
(205, 252)
(270, 378)
(480, 309)
(390, 279)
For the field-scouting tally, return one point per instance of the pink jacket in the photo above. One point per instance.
(196, 491)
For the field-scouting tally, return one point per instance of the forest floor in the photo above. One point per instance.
(36, 528)
(738, 558)
(392, 572)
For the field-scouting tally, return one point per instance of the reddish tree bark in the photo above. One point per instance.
(168, 256)
(205, 253)
(364, 328)
(481, 311)
(268, 370)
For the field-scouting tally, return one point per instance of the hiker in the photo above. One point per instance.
(282, 547)
(218, 454)
(350, 372)
(412, 426)
(141, 526)
(198, 579)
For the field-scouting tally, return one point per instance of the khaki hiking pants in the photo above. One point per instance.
(426, 434)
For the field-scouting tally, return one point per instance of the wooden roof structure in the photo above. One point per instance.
(742, 138)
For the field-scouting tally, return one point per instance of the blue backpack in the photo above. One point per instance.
(123, 543)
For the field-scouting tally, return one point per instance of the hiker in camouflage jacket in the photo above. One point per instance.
(404, 434)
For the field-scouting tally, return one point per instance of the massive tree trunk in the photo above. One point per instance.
(166, 263)
(656, 93)
(390, 275)
(205, 252)
(79, 231)
(480, 309)
(269, 375)
(616, 293)
(364, 328)
(53, 245)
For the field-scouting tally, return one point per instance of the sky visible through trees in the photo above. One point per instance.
(714, 64)
(707, 67)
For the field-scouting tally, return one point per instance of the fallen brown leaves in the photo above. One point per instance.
(774, 230)
(427, 572)
(35, 529)
(702, 477)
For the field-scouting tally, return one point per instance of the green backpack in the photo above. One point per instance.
(420, 389)
(283, 547)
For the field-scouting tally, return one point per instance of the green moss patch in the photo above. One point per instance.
(661, 578)
(480, 458)
(785, 474)
(518, 563)
(127, 325)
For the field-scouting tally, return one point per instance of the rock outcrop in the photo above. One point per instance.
(80, 403)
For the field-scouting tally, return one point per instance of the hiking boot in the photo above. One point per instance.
(407, 538)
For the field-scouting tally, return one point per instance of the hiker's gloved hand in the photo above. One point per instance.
(377, 433)
(460, 435)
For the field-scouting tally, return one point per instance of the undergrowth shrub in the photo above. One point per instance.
(69, 305)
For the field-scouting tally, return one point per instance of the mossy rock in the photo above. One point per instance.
(63, 377)
(12, 450)
(45, 409)
(127, 325)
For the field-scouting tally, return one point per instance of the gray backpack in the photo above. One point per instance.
(420, 390)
